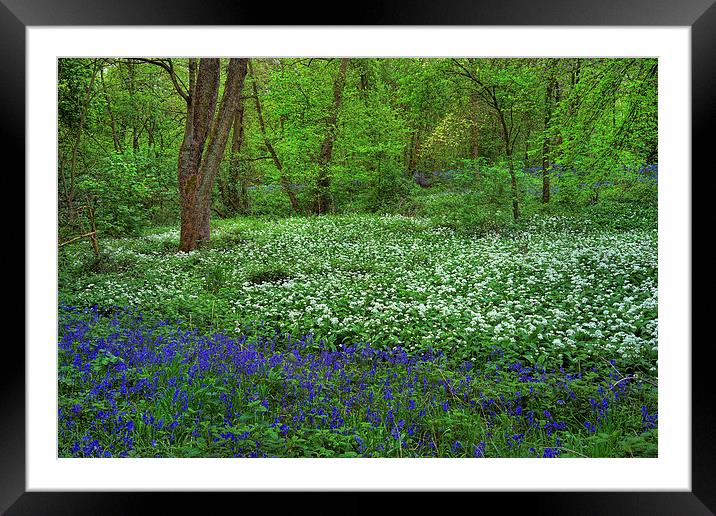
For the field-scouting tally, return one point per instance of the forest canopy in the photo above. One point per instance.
(290, 136)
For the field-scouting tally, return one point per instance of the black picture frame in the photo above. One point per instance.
(700, 15)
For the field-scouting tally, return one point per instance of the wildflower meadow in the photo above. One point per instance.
(363, 336)
(396, 258)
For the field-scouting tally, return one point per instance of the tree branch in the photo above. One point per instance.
(168, 65)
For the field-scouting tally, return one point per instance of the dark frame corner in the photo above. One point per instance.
(700, 15)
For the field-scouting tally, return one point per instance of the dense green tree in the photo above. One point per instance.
(505, 85)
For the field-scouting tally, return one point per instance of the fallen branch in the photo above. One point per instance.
(90, 234)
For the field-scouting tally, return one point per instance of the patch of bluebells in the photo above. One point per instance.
(478, 450)
(552, 452)
(132, 388)
(644, 174)
(649, 421)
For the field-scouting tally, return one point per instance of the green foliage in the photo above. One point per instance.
(438, 117)
(269, 201)
(465, 212)
(130, 191)
(389, 192)
(74, 76)
(608, 119)
(258, 277)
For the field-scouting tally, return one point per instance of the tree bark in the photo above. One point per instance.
(283, 180)
(113, 123)
(510, 165)
(575, 76)
(414, 152)
(549, 94)
(474, 129)
(70, 192)
(232, 187)
(205, 137)
(323, 184)
(132, 88)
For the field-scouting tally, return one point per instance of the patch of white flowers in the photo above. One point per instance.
(398, 280)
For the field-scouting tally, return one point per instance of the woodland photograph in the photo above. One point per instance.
(357, 257)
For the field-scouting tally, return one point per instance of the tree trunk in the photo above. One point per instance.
(205, 138)
(510, 165)
(283, 180)
(131, 87)
(513, 186)
(576, 71)
(546, 139)
(545, 171)
(556, 144)
(414, 152)
(323, 184)
(70, 192)
(113, 123)
(236, 177)
(474, 129)
(232, 187)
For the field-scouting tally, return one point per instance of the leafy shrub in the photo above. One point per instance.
(389, 191)
(131, 191)
(465, 212)
(270, 201)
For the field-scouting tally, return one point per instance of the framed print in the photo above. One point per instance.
(202, 315)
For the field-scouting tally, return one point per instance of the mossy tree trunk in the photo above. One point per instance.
(205, 137)
(233, 184)
(546, 138)
(69, 186)
(323, 184)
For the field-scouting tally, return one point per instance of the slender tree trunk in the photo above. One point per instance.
(70, 192)
(132, 88)
(363, 85)
(576, 71)
(546, 139)
(112, 122)
(556, 144)
(513, 187)
(283, 180)
(545, 171)
(237, 141)
(232, 187)
(414, 152)
(150, 126)
(323, 201)
(474, 129)
(205, 138)
(510, 165)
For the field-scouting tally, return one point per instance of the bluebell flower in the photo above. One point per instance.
(478, 450)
